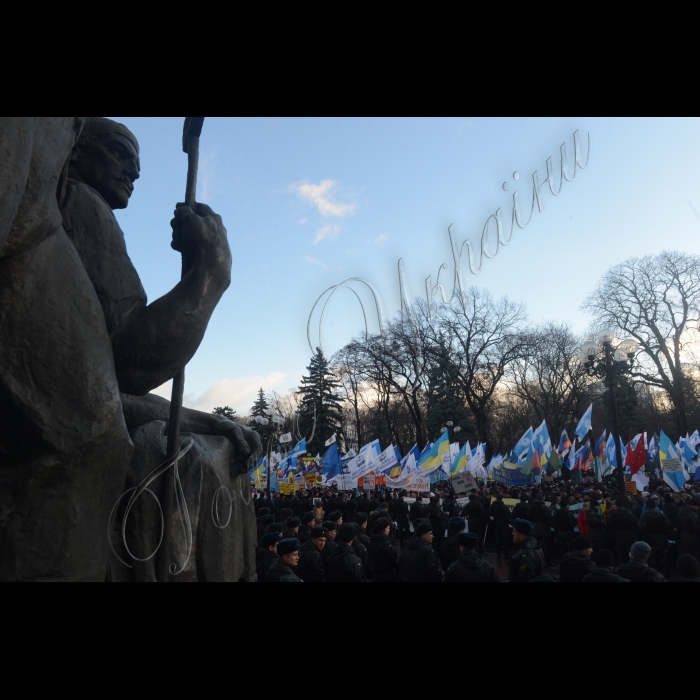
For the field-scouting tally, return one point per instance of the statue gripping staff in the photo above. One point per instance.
(80, 349)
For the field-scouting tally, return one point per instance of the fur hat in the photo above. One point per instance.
(524, 527)
(468, 540)
(423, 529)
(291, 544)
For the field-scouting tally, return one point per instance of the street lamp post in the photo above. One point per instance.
(277, 422)
(604, 360)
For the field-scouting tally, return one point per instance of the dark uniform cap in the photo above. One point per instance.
(270, 539)
(468, 540)
(317, 532)
(291, 544)
(524, 527)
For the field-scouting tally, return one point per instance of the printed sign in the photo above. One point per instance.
(464, 482)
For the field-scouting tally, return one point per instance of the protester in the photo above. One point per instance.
(564, 523)
(501, 522)
(604, 569)
(541, 517)
(689, 523)
(636, 569)
(470, 565)
(282, 568)
(656, 530)
(528, 562)
(476, 517)
(622, 525)
(596, 526)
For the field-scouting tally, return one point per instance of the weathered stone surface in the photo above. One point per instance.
(215, 553)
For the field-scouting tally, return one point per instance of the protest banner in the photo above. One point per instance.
(418, 483)
(510, 502)
(367, 482)
(464, 482)
(631, 487)
(287, 488)
(299, 482)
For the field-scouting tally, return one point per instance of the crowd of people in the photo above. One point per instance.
(554, 531)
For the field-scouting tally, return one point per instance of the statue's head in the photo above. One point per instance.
(106, 157)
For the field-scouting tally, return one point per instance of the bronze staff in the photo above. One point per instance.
(190, 145)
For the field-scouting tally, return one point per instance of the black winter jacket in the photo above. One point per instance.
(344, 566)
(418, 562)
(281, 572)
(527, 563)
(574, 566)
(310, 567)
(639, 572)
(385, 560)
(471, 568)
(602, 574)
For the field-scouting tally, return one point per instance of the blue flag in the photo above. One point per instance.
(332, 466)
(584, 425)
(299, 449)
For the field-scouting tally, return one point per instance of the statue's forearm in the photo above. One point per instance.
(140, 410)
(160, 339)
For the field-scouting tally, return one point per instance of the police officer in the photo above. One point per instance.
(470, 567)
(528, 562)
(310, 567)
(282, 569)
(450, 550)
(343, 565)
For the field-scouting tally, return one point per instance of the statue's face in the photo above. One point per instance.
(110, 164)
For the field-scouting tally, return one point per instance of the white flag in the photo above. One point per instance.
(286, 438)
(330, 440)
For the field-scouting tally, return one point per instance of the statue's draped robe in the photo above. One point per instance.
(64, 445)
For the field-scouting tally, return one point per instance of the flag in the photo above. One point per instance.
(584, 425)
(258, 475)
(298, 450)
(522, 448)
(351, 454)
(460, 462)
(674, 473)
(610, 452)
(287, 437)
(526, 468)
(476, 461)
(571, 461)
(330, 441)
(332, 466)
(399, 458)
(432, 459)
(554, 463)
(636, 458)
(541, 437)
(387, 460)
(564, 444)
(372, 447)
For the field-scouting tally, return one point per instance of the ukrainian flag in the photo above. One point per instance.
(432, 459)
(460, 462)
(258, 474)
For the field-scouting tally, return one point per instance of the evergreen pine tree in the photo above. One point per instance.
(225, 412)
(318, 390)
(259, 407)
(447, 402)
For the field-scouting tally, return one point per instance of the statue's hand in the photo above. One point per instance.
(201, 235)
(246, 445)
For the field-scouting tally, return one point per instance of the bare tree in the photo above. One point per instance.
(484, 336)
(655, 300)
(549, 377)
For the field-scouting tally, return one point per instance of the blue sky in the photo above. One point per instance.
(311, 202)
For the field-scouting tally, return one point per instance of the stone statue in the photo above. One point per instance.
(80, 348)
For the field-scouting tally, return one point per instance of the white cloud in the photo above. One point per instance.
(321, 196)
(383, 238)
(330, 231)
(207, 188)
(313, 261)
(239, 393)
(303, 221)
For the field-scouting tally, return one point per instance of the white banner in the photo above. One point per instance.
(387, 459)
(286, 438)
